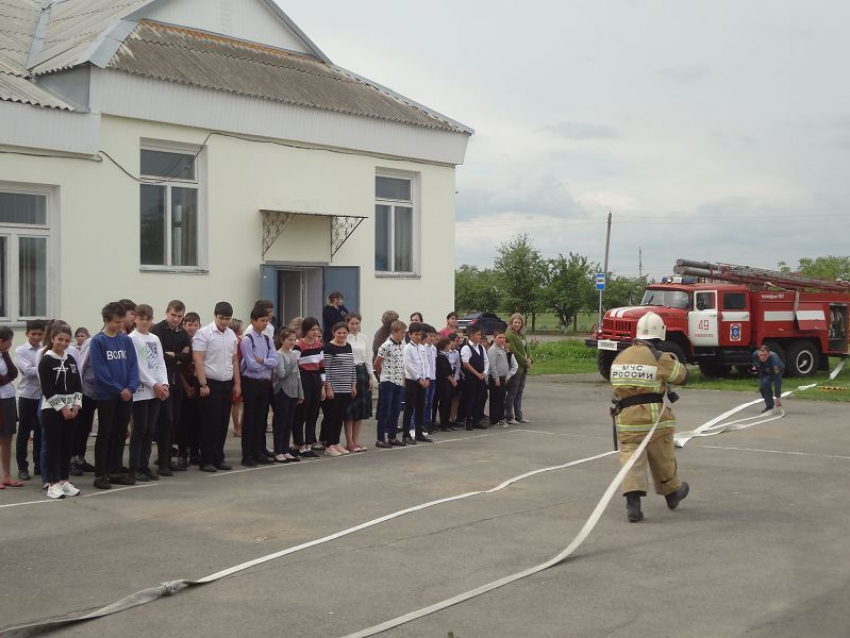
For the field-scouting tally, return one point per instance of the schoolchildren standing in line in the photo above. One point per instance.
(214, 350)
(498, 372)
(8, 414)
(445, 383)
(361, 406)
(415, 383)
(454, 359)
(176, 349)
(29, 399)
(148, 399)
(474, 361)
(188, 437)
(311, 365)
(116, 371)
(430, 350)
(237, 410)
(340, 386)
(259, 360)
(288, 393)
(62, 400)
(389, 364)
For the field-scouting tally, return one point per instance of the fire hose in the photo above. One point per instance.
(170, 588)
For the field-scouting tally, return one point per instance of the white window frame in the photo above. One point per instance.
(416, 232)
(199, 183)
(13, 233)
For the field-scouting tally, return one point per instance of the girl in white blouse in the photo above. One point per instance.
(361, 406)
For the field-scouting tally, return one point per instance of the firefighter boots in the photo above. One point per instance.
(674, 498)
(633, 507)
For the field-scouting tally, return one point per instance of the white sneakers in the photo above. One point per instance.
(69, 489)
(55, 491)
(61, 490)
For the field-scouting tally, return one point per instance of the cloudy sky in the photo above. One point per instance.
(716, 130)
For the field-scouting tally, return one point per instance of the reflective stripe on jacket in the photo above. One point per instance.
(641, 369)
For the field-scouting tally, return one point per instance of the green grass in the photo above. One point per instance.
(548, 323)
(561, 357)
(572, 357)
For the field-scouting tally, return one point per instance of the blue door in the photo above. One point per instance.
(345, 279)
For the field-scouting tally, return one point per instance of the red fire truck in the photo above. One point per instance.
(717, 314)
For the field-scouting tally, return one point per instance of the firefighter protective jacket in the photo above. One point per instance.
(642, 369)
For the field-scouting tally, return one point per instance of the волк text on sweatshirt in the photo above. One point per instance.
(115, 366)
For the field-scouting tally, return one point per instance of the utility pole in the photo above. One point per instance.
(640, 263)
(605, 266)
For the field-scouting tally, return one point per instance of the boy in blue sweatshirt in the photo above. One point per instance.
(112, 357)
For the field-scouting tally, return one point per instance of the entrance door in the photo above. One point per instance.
(702, 320)
(299, 292)
(345, 279)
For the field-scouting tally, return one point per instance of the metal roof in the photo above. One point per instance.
(18, 19)
(74, 27)
(195, 58)
(18, 89)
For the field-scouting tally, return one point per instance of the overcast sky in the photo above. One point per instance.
(715, 130)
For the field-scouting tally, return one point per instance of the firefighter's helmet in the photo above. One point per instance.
(651, 326)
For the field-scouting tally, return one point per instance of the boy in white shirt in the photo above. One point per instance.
(152, 391)
(29, 398)
(415, 383)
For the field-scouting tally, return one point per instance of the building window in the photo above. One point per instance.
(24, 254)
(393, 224)
(169, 208)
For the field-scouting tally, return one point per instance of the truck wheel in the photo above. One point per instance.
(714, 370)
(674, 349)
(603, 361)
(802, 359)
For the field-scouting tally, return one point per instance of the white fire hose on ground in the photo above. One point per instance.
(710, 428)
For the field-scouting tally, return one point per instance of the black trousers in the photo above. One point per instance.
(166, 424)
(335, 415)
(414, 406)
(473, 391)
(255, 401)
(28, 422)
(113, 417)
(497, 400)
(282, 421)
(58, 435)
(82, 427)
(188, 443)
(307, 412)
(444, 397)
(215, 419)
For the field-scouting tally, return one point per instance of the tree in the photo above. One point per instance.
(828, 268)
(623, 291)
(521, 272)
(476, 290)
(570, 287)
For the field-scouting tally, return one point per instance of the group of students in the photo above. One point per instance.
(177, 384)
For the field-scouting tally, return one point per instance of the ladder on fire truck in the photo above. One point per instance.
(749, 276)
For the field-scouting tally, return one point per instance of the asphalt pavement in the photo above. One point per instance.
(758, 549)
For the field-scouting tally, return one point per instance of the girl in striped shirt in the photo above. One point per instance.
(340, 386)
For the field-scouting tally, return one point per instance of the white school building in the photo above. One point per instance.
(208, 150)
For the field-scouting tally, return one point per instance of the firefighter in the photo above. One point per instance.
(640, 376)
(770, 369)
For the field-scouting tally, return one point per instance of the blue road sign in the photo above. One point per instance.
(600, 281)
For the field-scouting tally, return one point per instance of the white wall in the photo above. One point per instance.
(100, 225)
(250, 20)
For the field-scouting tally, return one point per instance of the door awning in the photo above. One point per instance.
(276, 221)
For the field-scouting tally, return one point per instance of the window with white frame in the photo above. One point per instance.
(169, 208)
(394, 224)
(24, 253)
